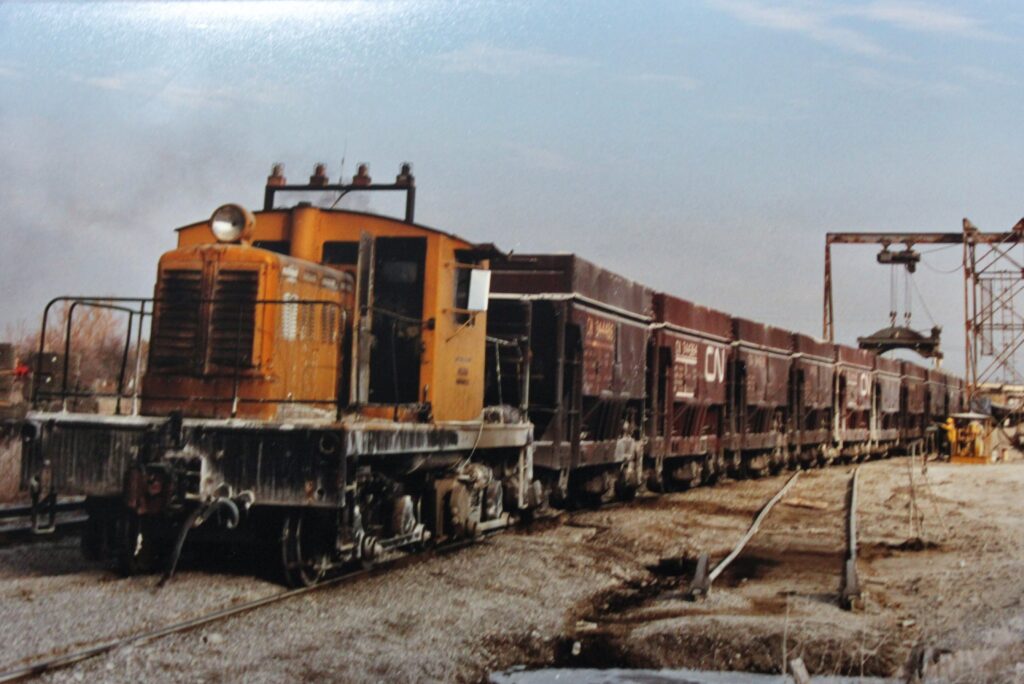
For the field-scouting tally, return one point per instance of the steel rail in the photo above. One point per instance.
(849, 589)
(26, 534)
(702, 579)
(68, 659)
(25, 510)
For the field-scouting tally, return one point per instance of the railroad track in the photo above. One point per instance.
(16, 523)
(848, 586)
(43, 665)
(700, 587)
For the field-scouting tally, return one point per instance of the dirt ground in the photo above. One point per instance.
(590, 589)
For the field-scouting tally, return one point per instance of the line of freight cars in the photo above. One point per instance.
(628, 386)
(329, 385)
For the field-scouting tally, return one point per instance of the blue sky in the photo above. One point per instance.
(702, 147)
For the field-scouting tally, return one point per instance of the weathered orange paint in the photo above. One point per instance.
(452, 363)
(305, 366)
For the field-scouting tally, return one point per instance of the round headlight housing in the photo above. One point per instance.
(231, 223)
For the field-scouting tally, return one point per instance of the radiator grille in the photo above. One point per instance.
(177, 330)
(233, 319)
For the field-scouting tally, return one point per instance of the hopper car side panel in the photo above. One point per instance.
(690, 355)
(913, 401)
(854, 396)
(760, 397)
(812, 387)
(588, 341)
(887, 400)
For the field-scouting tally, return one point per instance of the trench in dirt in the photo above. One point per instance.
(769, 601)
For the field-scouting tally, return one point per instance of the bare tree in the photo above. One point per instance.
(97, 345)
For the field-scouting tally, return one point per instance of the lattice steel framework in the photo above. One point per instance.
(993, 311)
(993, 273)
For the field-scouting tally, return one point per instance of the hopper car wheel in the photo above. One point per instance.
(306, 549)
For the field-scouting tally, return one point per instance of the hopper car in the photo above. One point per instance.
(327, 386)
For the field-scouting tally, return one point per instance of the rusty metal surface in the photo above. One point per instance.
(690, 372)
(568, 274)
(913, 381)
(295, 464)
(766, 355)
(855, 368)
(80, 458)
(887, 378)
(767, 378)
(762, 335)
(614, 352)
(695, 340)
(813, 361)
(937, 395)
(954, 394)
(696, 369)
(691, 317)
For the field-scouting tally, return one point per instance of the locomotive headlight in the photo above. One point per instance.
(231, 222)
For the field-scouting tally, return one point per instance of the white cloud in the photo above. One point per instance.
(983, 75)
(539, 157)
(829, 23)
(489, 60)
(8, 70)
(170, 89)
(102, 82)
(814, 23)
(917, 16)
(877, 79)
(672, 80)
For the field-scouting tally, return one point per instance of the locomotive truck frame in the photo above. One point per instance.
(325, 386)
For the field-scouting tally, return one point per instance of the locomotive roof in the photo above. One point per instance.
(430, 229)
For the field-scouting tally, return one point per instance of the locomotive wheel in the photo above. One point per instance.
(306, 549)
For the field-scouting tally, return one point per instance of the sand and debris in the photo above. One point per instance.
(942, 590)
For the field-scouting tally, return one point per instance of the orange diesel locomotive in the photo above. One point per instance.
(315, 378)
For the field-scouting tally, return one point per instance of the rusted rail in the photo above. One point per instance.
(849, 589)
(68, 659)
(68, 518)
(25, 510)
(701, 584)
(26, 534)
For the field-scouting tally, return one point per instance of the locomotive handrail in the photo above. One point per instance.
(146, 307)
(101, 302)
(409, 188)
